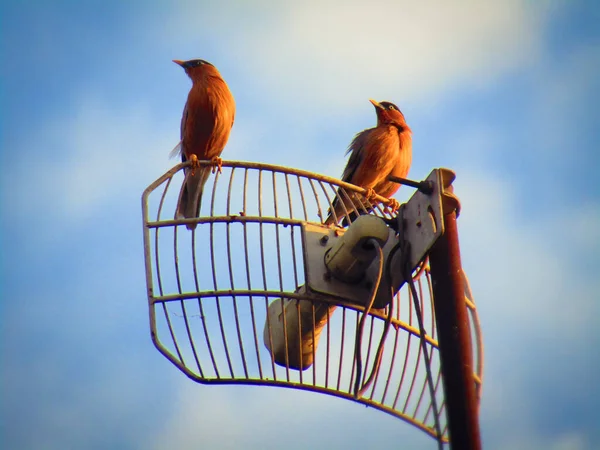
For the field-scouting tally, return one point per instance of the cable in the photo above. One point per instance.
(386, 329)
(404, 246)
(379, 353)
(361, 325)
(413, 290)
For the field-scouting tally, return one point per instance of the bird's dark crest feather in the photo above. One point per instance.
(386, 105)
(195, 63)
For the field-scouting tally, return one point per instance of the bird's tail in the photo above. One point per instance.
(190, 197)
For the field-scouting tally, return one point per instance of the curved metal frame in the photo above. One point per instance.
(220, 344)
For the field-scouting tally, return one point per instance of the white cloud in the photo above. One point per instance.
(94, 153)
(219, 417)
(559, 109)
(563, 441)
(339, 53)
(97, 155)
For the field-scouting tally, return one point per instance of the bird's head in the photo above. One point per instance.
(388, 113)
(196, 67)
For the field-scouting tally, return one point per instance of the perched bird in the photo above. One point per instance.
(205, 126)
(375, 154)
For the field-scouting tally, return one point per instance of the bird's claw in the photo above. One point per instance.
(217, 165)
(194, 162)
(370, 195)
(393, 205)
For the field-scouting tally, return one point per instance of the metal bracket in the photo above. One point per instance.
(421, 224)
(316, 240)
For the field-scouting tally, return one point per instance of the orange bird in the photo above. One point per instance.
(205, 126)
(375, 154)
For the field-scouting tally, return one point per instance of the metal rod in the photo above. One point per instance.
(424, 186)
(456, 354)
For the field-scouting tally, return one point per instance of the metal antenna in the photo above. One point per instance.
(249, 296)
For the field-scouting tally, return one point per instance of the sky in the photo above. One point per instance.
(503, 93)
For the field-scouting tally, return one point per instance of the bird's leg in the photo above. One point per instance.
(195, 163)
(393, 205)
(217, 164)
(370, 195)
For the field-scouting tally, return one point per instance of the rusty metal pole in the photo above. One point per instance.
(454, 339)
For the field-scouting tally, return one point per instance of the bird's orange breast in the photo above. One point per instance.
(387, 151)
(207, 120)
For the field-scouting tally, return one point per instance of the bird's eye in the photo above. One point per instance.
(391, 107)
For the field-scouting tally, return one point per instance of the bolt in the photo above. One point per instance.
(324, 240)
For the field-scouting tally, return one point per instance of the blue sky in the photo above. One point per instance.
(504, 93)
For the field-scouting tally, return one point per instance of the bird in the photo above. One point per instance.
(375, 153)
(206, 123)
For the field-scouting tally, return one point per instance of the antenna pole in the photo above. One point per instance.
(456, 353)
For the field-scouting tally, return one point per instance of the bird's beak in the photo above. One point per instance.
(376, 104)
(180, 62)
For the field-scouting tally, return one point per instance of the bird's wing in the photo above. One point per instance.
(357, 155)
(184, 118)
(176, 151)
(201, 125)
(356, 150)
(379, 156)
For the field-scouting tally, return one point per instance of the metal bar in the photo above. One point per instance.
(280, 277)
(319, 210)
(223, 219)
(263, 267)
(389, 377)
(201, 308)
(300, 340)
(423, 186)
(353, 369)
(424, 388)
(314, 355)
(271, 168)
(231, 277)
(330, 202)
(248, 275)
(266, 293)
(425, 382)
(414, 378)
(369, 346)
(445, 429)
(435, 390)
(456, 354)
(183, 308)
(302, 197)
(327, 353)
(343, 332)
(404, 365)
(295, 267)
(214, 276)
(419, 353)
(427, 274)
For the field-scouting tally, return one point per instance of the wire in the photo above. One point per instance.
(379, 353)
(361, 325)
(388, 322)
(413, 290)
(404, 246)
